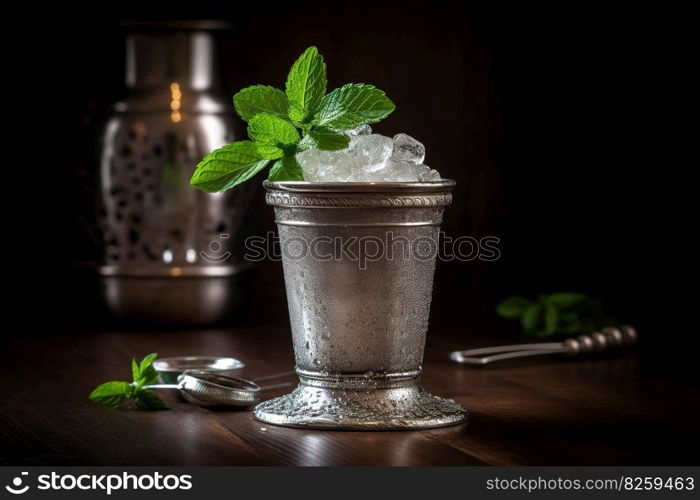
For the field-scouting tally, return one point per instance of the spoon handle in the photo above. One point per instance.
(275, 386)
(274, 376)
(607, 339)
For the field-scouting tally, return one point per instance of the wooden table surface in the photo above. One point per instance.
(559, 412)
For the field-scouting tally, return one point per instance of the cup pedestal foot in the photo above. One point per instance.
(345, 404)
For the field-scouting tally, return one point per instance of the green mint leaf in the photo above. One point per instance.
(551, 320)
(532, 318)
(571, 328)
(325, 139)
(513, 307)
(569, 322)
(286, 169)
(273, 135)
(306, 85)
(228, 166)
(147, 400)
(258, 99)
(147, 362)
(243, 175)
(353, 105)
(568, 317)
(565, 299)
(307, 142)
(135, 370)
(111, 394)
(273, 117)
(147, 374)
(566, 313)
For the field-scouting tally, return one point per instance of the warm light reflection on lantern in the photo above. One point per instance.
(175, 96)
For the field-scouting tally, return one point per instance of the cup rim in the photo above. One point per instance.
(360, 187)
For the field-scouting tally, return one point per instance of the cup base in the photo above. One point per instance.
(392, 408)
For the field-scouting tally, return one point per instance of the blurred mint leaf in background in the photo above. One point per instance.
(532, 318)
(513, 307)
(565, 299)
(551, 320)
(561, 313)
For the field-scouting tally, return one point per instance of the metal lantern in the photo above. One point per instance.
(170, 251)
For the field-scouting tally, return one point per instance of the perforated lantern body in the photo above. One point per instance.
(154, 224)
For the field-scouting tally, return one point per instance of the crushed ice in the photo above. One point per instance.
(369, 158)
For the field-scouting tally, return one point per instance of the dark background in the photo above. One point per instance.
(533, 110)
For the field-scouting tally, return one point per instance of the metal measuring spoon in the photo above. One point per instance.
(208, 389)
(171, 368)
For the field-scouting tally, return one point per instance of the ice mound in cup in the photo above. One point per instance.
(369, 158)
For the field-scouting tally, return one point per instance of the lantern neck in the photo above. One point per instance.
(154, 60)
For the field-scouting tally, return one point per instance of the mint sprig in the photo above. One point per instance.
(353, 105)
(261, 99)
(228, 166)
(306, 86)
(565, 313)
(284, 123)
(115, 394)
(274, 137)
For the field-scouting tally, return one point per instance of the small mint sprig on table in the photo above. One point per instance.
(566, 313)
(284, 123)
(114, 394)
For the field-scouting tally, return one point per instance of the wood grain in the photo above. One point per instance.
(555, 412)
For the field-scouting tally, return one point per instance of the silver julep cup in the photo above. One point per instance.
(359, 260)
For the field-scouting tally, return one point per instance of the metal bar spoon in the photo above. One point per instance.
(604, 340)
